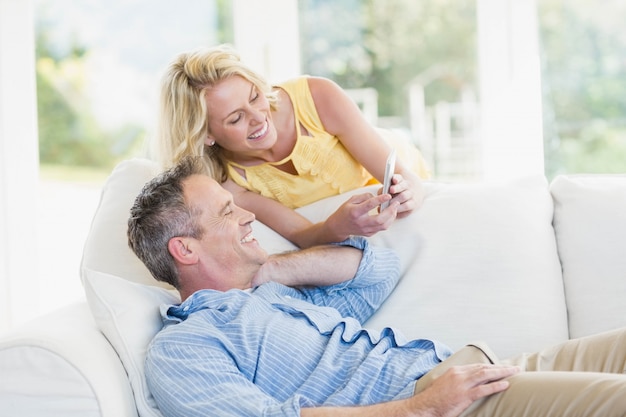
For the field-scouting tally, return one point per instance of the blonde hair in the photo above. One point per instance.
(183, 117)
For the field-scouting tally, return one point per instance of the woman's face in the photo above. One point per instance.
(240, 119)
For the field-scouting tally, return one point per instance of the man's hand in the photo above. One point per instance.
(448, 395)
(457, 388)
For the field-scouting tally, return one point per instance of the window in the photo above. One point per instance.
(583, 45)
(416, 62)
(98, 67)
(460, 78)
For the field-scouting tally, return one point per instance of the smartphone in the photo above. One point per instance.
(390, 168)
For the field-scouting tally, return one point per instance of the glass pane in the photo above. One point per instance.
(98, 69)
(411, 63)
(584, 85)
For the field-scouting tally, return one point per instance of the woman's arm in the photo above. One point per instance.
(354, 217)
(343, 118)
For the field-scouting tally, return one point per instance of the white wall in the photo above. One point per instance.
(510, 88)
(19, 165)
(267, 36)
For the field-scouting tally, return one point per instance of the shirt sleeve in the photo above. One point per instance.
(376, 277)
(192, 379)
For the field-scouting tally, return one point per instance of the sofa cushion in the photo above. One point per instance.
(479, 263)
(106, 248)
(60, 364)
(122, 294)
(128, 315)
(590, 227)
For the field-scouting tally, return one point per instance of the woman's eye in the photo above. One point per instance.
(256, 95)
(235, 120)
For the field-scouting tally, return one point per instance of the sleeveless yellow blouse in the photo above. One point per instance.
(325, 167)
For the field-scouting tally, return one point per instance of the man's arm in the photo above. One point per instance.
(200, 379)
(316, 266)
(448, 396)
(354, 281)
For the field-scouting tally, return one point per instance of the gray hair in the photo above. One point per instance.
(160, 213)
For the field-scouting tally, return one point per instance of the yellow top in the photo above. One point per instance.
(325, 167)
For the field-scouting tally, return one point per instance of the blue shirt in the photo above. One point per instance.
(276, 349)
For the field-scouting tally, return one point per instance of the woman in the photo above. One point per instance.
(276, 149)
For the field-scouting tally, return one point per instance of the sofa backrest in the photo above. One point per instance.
(590, 226)
(106, 248)
(479, 263)
(479, 260)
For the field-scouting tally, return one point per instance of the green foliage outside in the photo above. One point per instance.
(584, 84)
(384, 44)
(68, 132)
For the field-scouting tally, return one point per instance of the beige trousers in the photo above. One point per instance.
(581, 377)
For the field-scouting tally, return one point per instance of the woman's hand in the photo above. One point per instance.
(408, 192)
(357, 216)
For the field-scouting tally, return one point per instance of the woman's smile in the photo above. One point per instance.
(261, 132)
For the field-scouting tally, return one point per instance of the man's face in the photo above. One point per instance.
(227, 248)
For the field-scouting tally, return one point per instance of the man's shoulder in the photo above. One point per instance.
(206, 313)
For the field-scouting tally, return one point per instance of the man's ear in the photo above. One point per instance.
(181, 249)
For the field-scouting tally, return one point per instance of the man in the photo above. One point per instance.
(281, 335)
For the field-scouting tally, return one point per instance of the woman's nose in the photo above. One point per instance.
(258, 119)
(258, 115)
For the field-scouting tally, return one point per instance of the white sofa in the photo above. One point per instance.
(519, 264)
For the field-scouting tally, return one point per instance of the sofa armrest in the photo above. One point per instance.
(60, 364)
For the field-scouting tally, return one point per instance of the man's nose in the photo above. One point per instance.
(246, 216)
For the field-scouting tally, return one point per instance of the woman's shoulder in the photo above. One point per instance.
(329, 98)
(292, 85)
(308, 84)
(321, 82)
